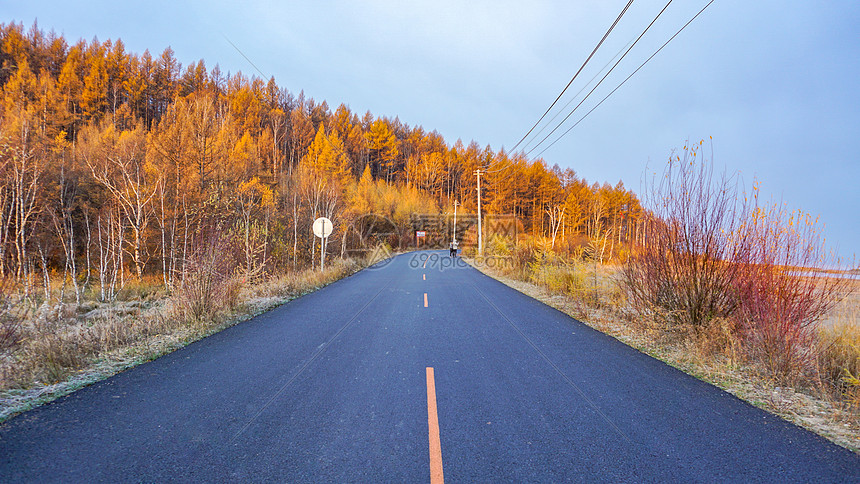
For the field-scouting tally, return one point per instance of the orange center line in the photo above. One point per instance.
(425, 299)
(425, 276)
(436, 474)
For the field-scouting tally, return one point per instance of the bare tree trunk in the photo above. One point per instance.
(603, 247)
(65, 279)
(116, 245)
(172, 267)
(45, 276)
(72, 259)
(6, 215)
(120, 243)
(295, 229)
(185, 239)
(556, 218)
(89, 245)
(109, 255)
(266, 237)
(313, 249)
(102, 259)
(165, 265)
(612, 249)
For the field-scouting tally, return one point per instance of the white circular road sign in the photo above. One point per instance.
(323, 227)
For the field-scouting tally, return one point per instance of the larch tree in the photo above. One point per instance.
(95, 89)
(382, 146)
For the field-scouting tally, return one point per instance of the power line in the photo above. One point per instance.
(498, 169)
(628, 77)
(617, 19)
(508, 165)
(262, 76)
(602, 79)
(578, 93)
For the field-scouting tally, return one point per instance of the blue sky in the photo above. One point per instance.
(773, 82)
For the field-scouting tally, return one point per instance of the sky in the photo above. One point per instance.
(773, 82)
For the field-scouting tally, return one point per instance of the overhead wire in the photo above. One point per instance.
(262, 76)
(628, 77)
(495, 170)
(575, 96)
(617, 19)
(509, 164)
(602, 79)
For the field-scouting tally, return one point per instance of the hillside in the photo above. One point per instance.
(118, 165)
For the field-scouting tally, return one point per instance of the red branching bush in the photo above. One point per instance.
(682, 270)
(710, 255)
(779, 301)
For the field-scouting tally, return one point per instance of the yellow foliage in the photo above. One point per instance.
(397, 202)
(253, 188)
(243, 157)
(326, 155)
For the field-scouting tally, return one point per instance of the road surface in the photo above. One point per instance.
(347, 384)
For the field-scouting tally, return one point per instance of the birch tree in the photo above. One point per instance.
(117, 161)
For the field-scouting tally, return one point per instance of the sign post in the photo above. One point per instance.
(419, 234)
(322, 229)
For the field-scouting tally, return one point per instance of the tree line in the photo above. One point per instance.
(117, 166)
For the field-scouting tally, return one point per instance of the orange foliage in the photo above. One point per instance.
(162, 152)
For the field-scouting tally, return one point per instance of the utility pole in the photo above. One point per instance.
(480, 237)
(456, 203)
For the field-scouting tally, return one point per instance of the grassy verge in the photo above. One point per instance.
(827, 404)
(64, 347)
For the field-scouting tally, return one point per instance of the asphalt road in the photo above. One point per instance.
(333, 387)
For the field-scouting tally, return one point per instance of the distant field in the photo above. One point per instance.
(846, 311)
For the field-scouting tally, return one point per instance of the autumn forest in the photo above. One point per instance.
(118, 166)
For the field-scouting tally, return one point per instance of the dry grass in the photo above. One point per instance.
(64, 346)
(713, 352)
(278, 289)
(839, 351)
(60, 340)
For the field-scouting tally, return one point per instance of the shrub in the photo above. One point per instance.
(684, 267)
(778, 302)
(209, 283)
(500, 245)
(708, 256)
(553, 277)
